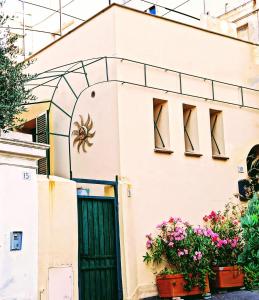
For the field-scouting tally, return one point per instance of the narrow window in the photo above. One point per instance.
(161, 124)
(217, 133)
(190, 124)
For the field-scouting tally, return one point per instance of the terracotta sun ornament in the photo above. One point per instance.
(83, 133)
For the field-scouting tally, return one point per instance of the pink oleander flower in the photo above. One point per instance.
(205, 218)
(178, 220)
(171, 244)
(213, 216)
(149, 236)
(205, 232)
(171, 220)
(198, 231)
(233, 244)
(185, 251)
(149, 244)
(198, 255)
(162, 225)
(215, 237)
(235, 222)
(209, 232)
(220, 243)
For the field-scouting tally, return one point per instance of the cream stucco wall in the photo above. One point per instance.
(58, 246)
(93, 38)
(161, 184)
(103, 111)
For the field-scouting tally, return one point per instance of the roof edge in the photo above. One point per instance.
(140, 12)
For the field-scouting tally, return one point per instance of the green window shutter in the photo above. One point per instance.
(42, 137)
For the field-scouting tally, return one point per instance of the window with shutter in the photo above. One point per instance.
(42, 137)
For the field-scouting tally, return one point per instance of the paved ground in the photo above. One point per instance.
(237, 295)
(233, 295)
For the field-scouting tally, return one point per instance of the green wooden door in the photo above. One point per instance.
(99, 269)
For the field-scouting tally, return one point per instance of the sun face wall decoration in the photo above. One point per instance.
(83, 133)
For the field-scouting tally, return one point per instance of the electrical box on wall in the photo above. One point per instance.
(16, 240)
(241, 169)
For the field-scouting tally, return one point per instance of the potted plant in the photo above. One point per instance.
(184, 253)
(227, 245)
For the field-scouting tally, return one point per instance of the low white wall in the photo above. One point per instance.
(19, 212)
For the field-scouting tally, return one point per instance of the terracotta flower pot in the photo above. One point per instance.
(228, 277)
(173, 286)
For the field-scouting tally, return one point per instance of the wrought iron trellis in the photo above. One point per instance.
(52, 78)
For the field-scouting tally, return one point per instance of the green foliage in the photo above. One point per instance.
(249, 258)
(167, 271)
(13, 94)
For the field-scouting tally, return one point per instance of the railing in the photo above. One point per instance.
(179, 83)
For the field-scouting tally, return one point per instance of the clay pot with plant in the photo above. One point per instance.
(227, 246)
(184, 254)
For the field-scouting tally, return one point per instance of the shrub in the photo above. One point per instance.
(13, 94)
(249, 258)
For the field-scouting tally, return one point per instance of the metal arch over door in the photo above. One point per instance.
(99, 247)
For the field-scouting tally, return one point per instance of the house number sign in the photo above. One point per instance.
(26, 175)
